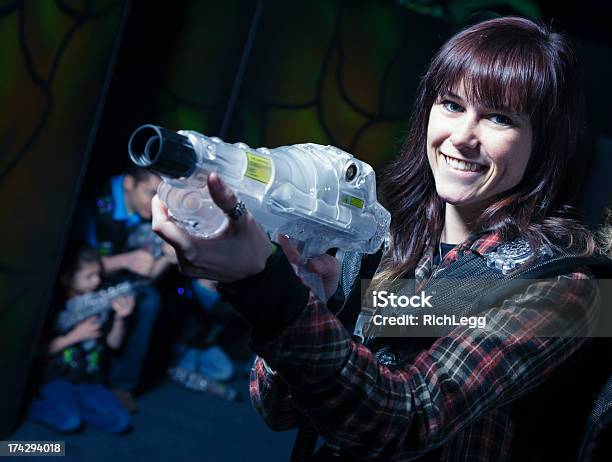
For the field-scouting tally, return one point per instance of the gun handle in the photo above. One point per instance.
(192, 208)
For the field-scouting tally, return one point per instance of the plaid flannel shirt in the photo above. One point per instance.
(451, 403)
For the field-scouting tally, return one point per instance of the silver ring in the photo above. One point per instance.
(237, 211)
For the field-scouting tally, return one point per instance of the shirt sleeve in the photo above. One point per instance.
(271, 398)
(373, 411)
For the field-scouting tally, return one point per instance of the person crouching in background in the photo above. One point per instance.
(72, 391)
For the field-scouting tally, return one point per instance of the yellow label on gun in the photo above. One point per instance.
(259, 168)
(352, 201)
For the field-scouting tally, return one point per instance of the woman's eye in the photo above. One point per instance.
(451, 106)
(500, 119)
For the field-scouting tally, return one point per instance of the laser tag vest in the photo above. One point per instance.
(112, 234)
(81, 362)
(510, 267)
(117, 231)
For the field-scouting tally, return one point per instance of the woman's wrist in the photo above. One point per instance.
(262, 259)
(271, 299)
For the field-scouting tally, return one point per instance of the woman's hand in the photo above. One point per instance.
(123, 306)
(326, 266)
(169, 253)
(241, 250)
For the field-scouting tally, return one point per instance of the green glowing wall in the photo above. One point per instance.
(341, 73)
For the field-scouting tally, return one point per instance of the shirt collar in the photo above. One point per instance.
(121, 212)
(479, 243)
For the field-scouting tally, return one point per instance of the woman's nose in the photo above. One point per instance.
(464, 134)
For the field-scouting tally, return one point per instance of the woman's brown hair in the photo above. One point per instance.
(604, 235)
(507, 63)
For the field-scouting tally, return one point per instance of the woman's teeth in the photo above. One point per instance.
(462, 165)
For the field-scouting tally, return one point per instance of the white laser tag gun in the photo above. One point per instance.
(319, 196)
(91, 304)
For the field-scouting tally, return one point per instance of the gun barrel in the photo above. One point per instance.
(162, 151)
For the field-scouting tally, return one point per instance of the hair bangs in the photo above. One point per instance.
(495, 72)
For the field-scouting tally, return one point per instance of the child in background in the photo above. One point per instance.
(72, 392)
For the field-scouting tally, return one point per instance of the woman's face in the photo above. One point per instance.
(475, 152)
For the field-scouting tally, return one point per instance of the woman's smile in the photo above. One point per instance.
(475, 153)
(462, 165)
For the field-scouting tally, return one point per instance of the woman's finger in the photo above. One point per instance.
(290, 250)
(328, 268)
(324, 265)
(166, 228)
(221, 194)
(225, 198)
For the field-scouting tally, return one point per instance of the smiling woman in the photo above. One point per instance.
(475, 195)
(499, 118)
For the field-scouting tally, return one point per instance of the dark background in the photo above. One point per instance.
(77, 76)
